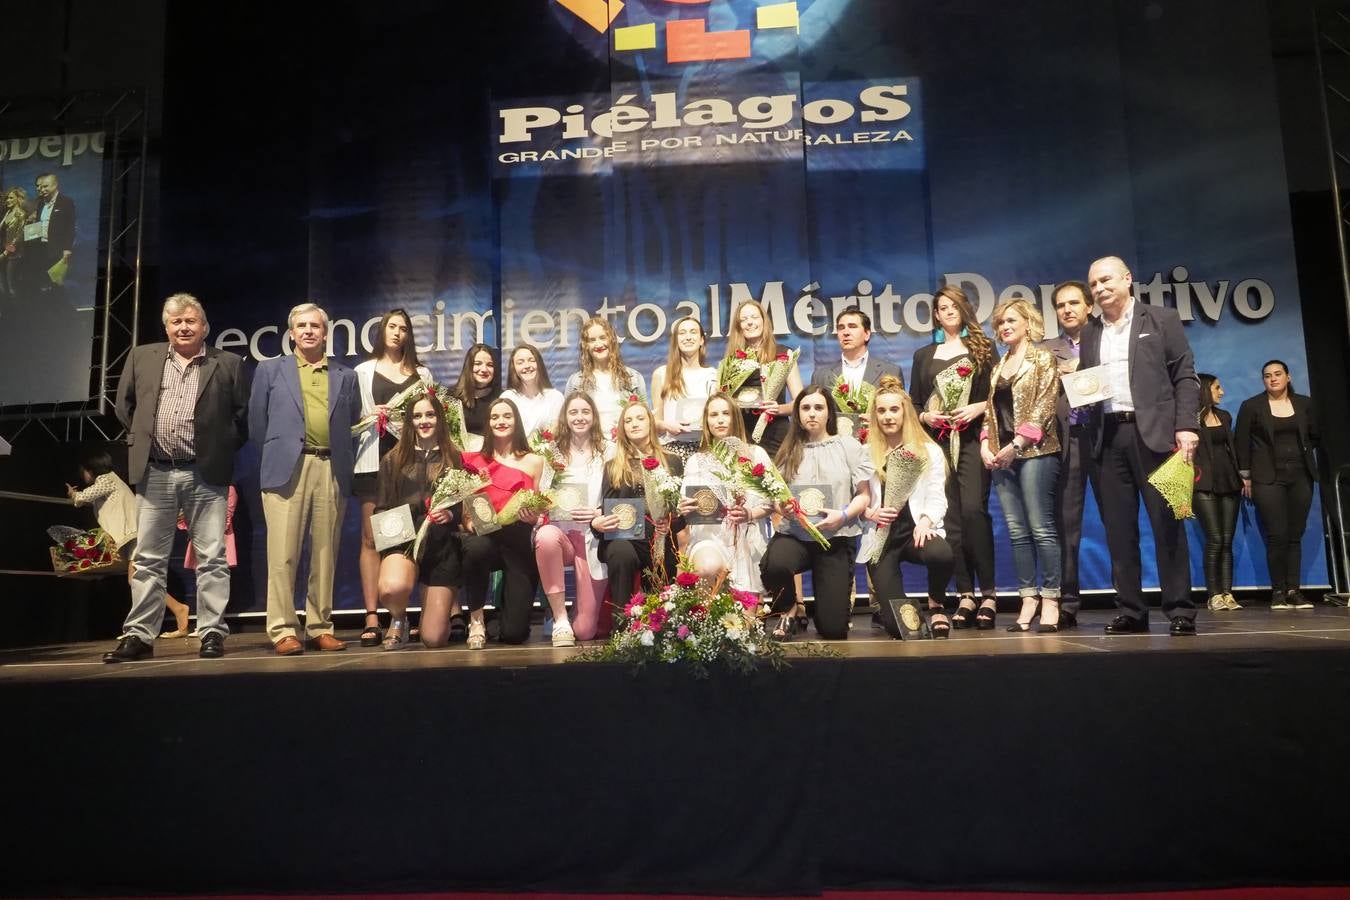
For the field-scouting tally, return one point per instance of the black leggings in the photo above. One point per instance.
(831, 579)
(888, 583)
(1218, 519)
(970, 529)
(1283, 506)
(510, 550)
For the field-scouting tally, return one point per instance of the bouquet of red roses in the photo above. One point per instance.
(77, 550)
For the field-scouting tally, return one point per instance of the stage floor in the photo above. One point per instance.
(1255, 627)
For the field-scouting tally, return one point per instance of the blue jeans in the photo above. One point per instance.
(1026, 491)
(164, 492)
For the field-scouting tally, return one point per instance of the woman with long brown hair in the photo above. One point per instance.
(815, 454)
(750, 330)
(510, 467)
(480, 382)
(392, 368)
(680, 388)
(569, 539)
(529, 388)
(407, 477)
(950, 383)
(603, 375)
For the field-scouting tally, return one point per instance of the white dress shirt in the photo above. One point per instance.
(852, 371)
(1115, 355)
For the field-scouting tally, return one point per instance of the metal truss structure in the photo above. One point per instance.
(123, 118)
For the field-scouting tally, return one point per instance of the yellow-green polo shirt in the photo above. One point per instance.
(314, 393)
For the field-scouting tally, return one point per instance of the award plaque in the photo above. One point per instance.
(1087, 386)
(483, 515)
(632, 515)
(709, 510)
(814, 499)
(748, 397)
(392, 527)
(566, 497)
(690, 414)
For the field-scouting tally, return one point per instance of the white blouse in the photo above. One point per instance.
(539, 411)
(698, 384)
(608, 400)
(840, 463)
(929, 499)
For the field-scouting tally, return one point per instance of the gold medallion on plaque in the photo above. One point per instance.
(569, 498)
(705, 502)
(909, 616)
(748, 396)
(812, 501)
(482, 509)
(1087, 385)
(626, 513)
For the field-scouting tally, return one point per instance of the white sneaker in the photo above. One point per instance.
(563, 636)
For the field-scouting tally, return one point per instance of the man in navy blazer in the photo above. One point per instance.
(302, 410)
(1155, 398)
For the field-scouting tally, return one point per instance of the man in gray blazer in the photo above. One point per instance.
(183, 405)
(1155, 398)
(853, 329)
(302, 410)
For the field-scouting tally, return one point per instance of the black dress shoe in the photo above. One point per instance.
(1182, 626)
(1127, 625)
(1067, 620)
(213, 646)
(129, 649)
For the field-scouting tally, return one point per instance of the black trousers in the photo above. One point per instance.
(887, 581)
(1125, 466)
(1077, 470)
(831, 579)
(970, 529)
(510, 550)
(1218, 518)
(1283, 506)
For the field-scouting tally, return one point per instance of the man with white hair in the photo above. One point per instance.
(183, 405)
(1154, 400)
(301, 413)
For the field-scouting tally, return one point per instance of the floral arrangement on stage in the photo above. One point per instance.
(452, 486)
(951, 392)
(78, 550)
(543, 442)
(735, 370)
(850, 400)
(764, 480)
(525, 501)
(394, 409)
(692, 622)
(903, 468)
(775, 379)
(1175, 480)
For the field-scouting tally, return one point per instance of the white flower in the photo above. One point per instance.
(670, 605)
(646, 638)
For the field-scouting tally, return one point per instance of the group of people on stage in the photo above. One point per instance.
(37, 239)
(879, 475)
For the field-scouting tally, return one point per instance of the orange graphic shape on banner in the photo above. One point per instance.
(688, 40)
(598, 14)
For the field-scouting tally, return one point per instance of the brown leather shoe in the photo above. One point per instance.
(325, 642)
(288, 646)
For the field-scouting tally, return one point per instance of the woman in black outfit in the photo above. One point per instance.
(480, 383)
(961, 349)
(1218, 490)
(1276, 434)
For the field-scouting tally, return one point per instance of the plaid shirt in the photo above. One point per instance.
(174, 437)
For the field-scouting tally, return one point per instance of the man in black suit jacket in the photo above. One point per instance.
(185, 409)
(853, 329)
(1154, 402)
(58, 212)
(1077, 468)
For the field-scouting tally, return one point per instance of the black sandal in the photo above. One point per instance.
(939, 626)
(964, 617)
(985, 616)
(787, 627)
(371, 635)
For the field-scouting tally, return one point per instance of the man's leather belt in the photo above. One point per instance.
(319, 452)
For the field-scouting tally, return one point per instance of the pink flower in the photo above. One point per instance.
(686, 579)
(636, 626)
(758, 470)
(682, 632)
(745, 598)
(651, 463)
(656, 619)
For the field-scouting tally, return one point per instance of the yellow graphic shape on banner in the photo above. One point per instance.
(598, 14)
(777, 15)
(635, 37)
